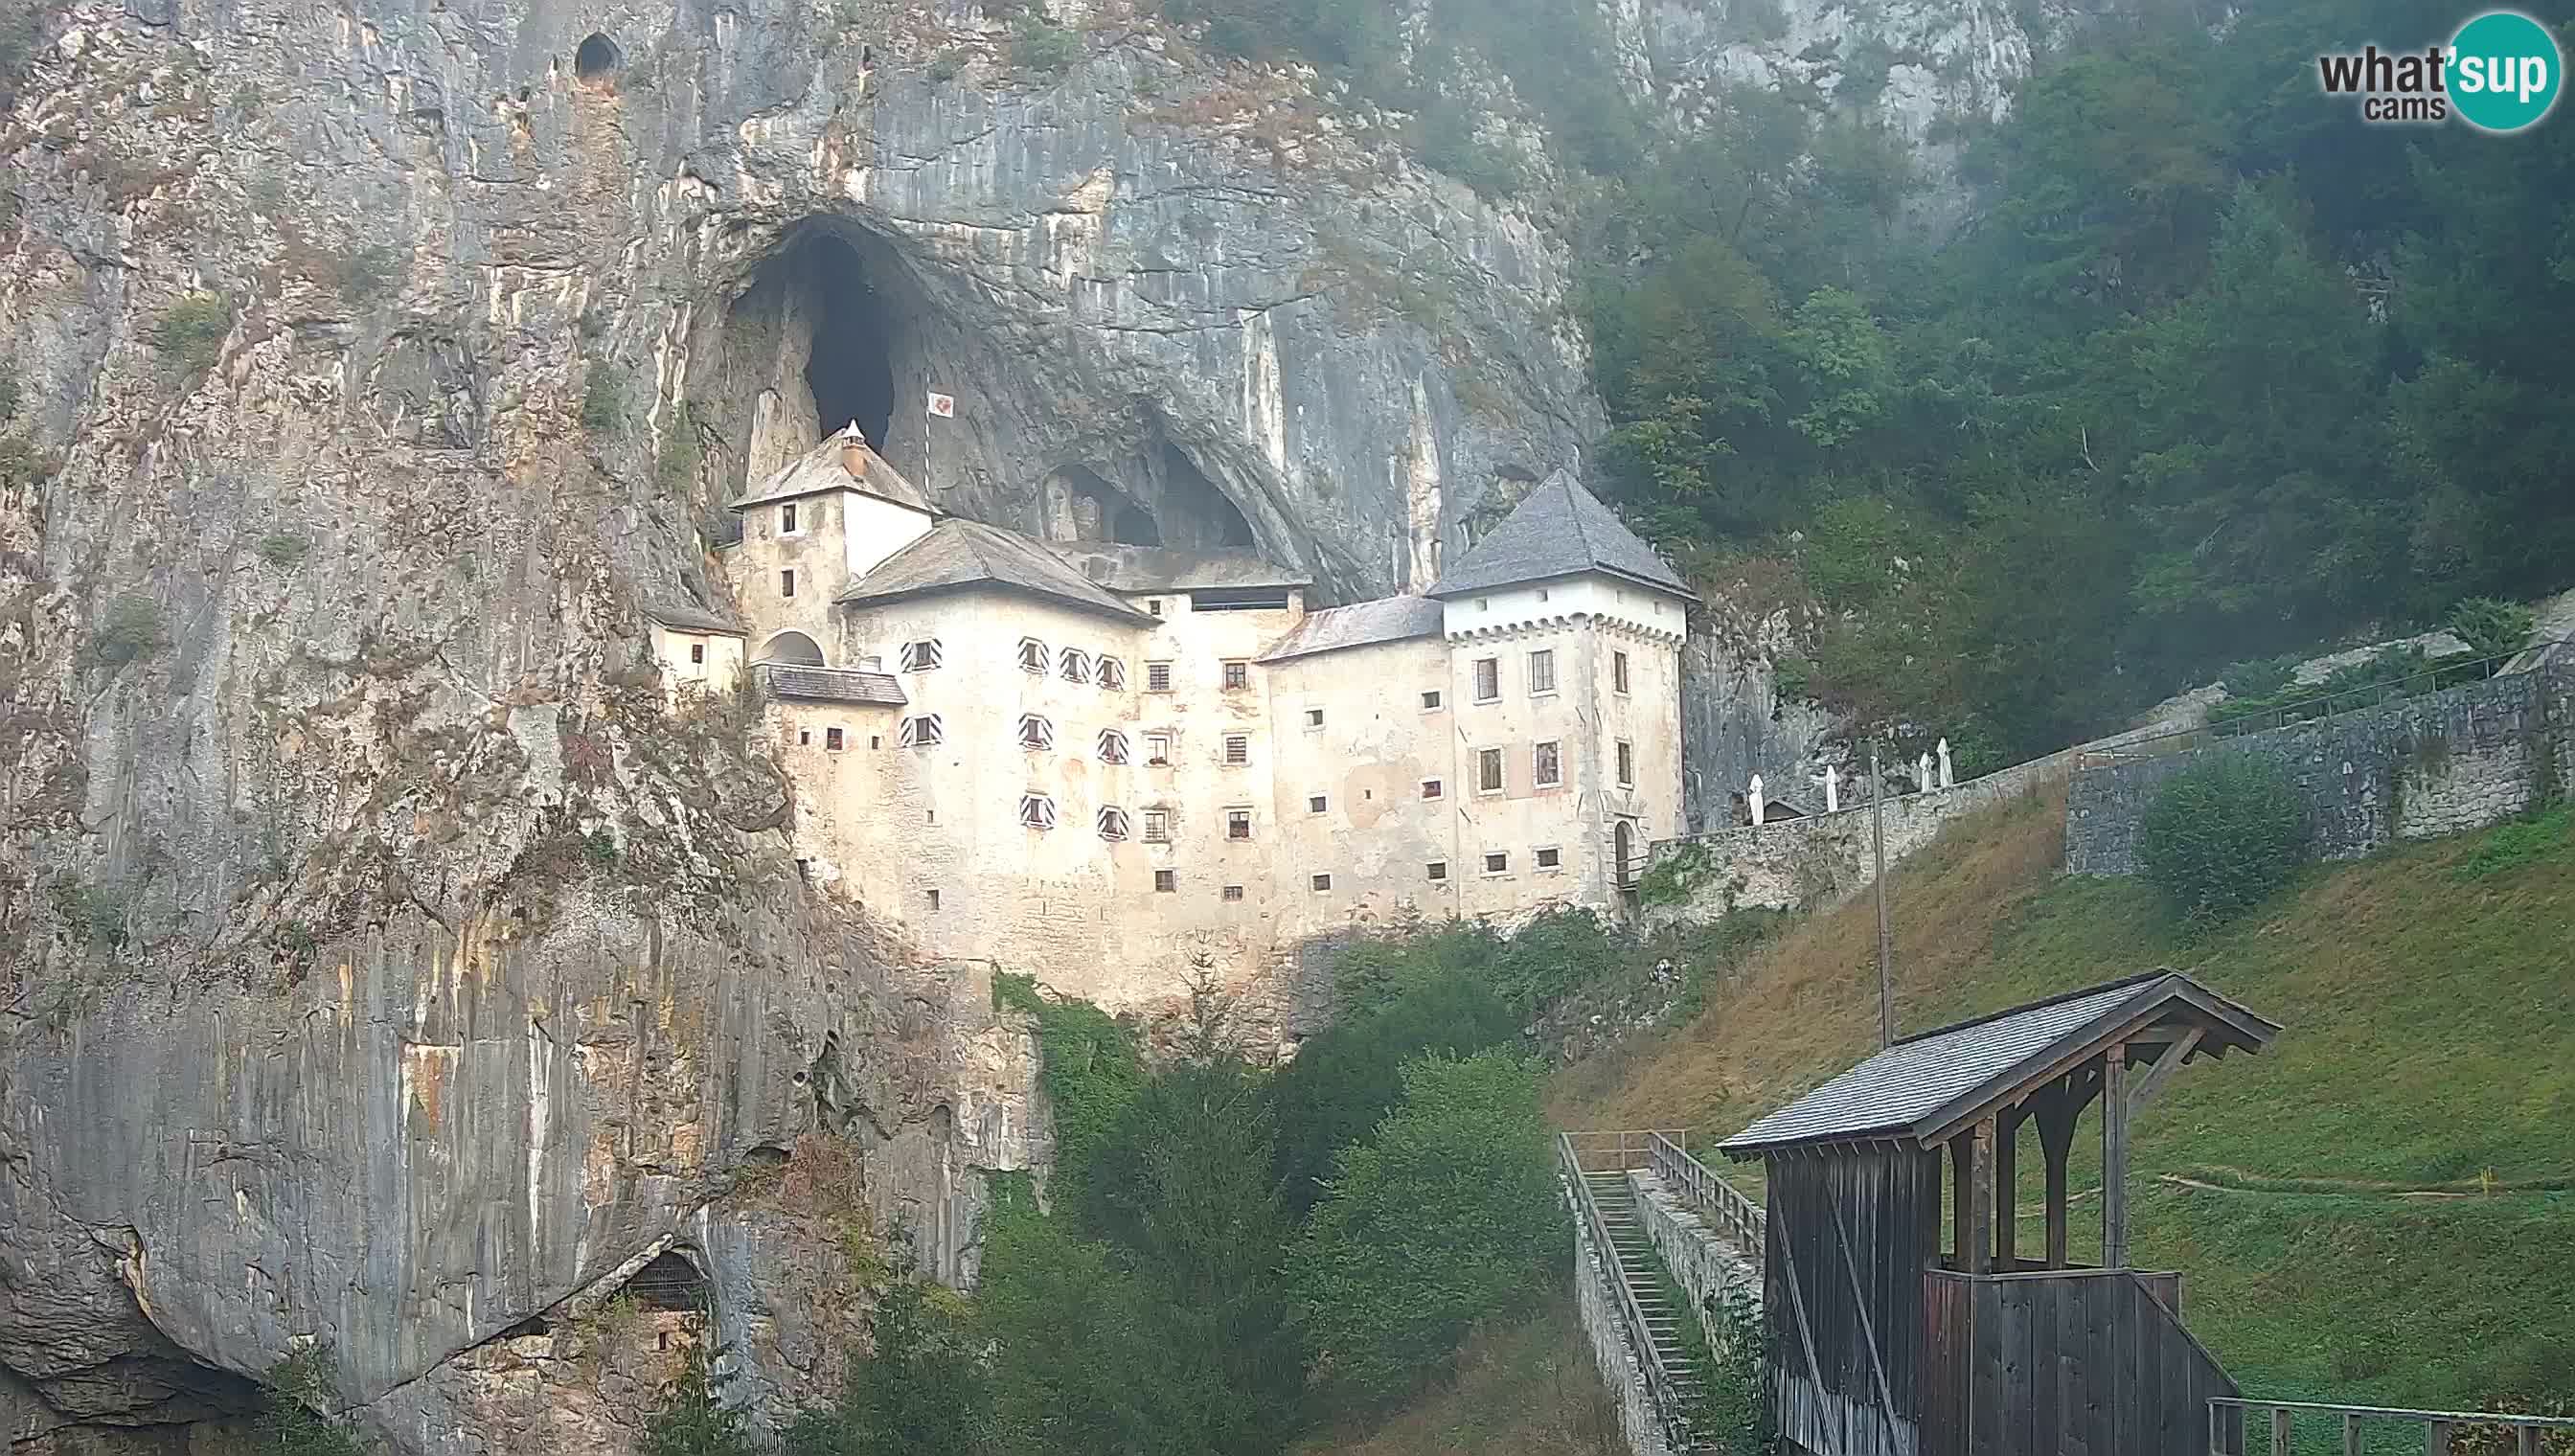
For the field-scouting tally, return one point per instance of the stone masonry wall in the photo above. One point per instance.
(1706, 1263)
(2444, 763)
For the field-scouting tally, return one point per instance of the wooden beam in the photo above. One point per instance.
(2163, 1070)
(1981, 1199)
(2114, 1157)
(2006, 1186)
(1962, 1175)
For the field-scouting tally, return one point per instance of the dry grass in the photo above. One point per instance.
(1526, 1389)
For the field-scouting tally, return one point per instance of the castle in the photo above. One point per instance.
(1105, 763)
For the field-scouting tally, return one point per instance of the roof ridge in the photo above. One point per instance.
(2124, 983)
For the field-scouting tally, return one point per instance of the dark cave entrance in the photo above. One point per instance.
(1204, 513)
(595, 59)
(851, 369)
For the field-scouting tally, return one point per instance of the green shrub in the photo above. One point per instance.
(365, 274)
(945, 65)
(130, 629)
(923, 1385)
(292, 1422)
(283, 547)
(98, 913)
(677, 466)
(192, 330)
(694, 1420)
(2221, 835)
(1089, 1066)
(2260, 677)
(2519, 841)
(602, 398)
(1043, 48)
(2490, 628)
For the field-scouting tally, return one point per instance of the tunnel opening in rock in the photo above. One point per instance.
(596, 58)
(850, 371)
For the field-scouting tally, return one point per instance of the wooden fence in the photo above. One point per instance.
(1738, 1219)
(2231, 1422)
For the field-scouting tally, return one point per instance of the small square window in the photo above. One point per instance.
(876, 741)
(1154, 606)
(831, 740)
(1547, 765)
(787, 519)
(1433, 788)
(1314, 717)
(1112, 673)
(804, 738)
(1498, 864)
(1488, 770)
(1034, 657)
(1541, 670)
(1488, 680)
(1158, 826)
(1236, 675)
(1158, 748)
(1314, 804)
(1430, 700)
(1157, 676)
(1626, 764)
(1483, 604)
(787, 583)
(934, 899)
(1437, 870)
(697, 654)
(1323, 882)
(1167, 881)
(1551, 857)
(1238, 823)
(922, 656)
(1618, 672)
(921, 731)
(1112, 823)
(1233, 891)
(1238, 749)
(1542, 593)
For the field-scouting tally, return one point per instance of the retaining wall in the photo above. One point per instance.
(2456, 760)
(1705, 1263)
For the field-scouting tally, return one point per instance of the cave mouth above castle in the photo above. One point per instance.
(850, 373)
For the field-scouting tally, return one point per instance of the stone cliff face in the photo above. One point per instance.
(381, 967)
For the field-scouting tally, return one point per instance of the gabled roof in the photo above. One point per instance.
(1160, 568)
(1560, 529)
(827, 468)
(957, 555)
(1924, 1088)
(1360, 625)
(834, 685)
(686, 617)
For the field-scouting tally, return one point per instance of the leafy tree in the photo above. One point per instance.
(1091, 1069)
(2221, 835)
(694, 1420)
(1447, 1215)
(923, 1387)
(2491, 629)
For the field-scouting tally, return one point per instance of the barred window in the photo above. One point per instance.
(1113, 823)
(1076, 666)
(1113, 747)
(1158, 826)
(923, 731)
(1157, 676)
(922, 656)
(1546, 764)
(1037, 811)
(1112, 673)
(1238, 749)
(1036, 733)
(1033, 656)
(1236, 675)
(1488, 770)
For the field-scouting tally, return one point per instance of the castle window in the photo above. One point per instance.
(1541, 671)
(804, 738)
(1430, 700)
(1112, 673)
(1618, 672)
(1158, 748)
(1237, 676)
(787, 519)
(1498, 864)
(1158, 826)
(1036, 733)
(921, 731)
(1157, 676)
(1238, 749)
(1076, 666)
(1549, 858)
(1323, 882)
(1233, 891)
(1314, 804)
(1166, 880)
(697, 654)
(1238, 823)
(1037, 811)
(1431, 788)
(1154, 606)
(787, 583)
(831, 740)
(1111, 821)
(1547, 765)
(1626, 764)
(1488, 770)
(1488, 680)
(1113, 747)
(1033, 656)
(1437, 870)
(934, 899)
(1314, 717)
(876, 741)
(924, 656)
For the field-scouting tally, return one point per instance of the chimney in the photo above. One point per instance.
(854, 451)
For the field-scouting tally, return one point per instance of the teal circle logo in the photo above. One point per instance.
(2505, 71)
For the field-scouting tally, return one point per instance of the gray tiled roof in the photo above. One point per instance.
(1900, 1091)
(1560, 530)
(959, 554)
(834, 685)
(692, 619)
(822, 469)
(1362, 624)
(1158, 569)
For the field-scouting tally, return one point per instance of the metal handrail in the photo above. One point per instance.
(1739, 1219)
(1660, 1386)
(2440, 1426)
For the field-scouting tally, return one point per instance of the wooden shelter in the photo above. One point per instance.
(1884, 1337)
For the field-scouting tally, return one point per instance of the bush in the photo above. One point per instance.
(364, 274)
(283, 547)
(677, 466)
(694, 1420)
(192, 330)
(945, 65)
(2221, 835)
(2491, 629)
(1048, 49)
(922, 1387)
(1091, 1069)
(2260, 677)
(290, 1424)
(130, 629)
(602, 398)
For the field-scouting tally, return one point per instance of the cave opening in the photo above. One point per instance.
(668, 1283)
(1197, 506)
(596, 58)
(851, 369)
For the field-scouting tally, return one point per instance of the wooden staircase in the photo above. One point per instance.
(1684, 1382)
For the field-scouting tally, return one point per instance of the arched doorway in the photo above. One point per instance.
(1623, 843)
(791, 648)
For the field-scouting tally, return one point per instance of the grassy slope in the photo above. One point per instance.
(2430, 1041)
(1526, 1389)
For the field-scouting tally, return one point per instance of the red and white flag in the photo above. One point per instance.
(941, 407)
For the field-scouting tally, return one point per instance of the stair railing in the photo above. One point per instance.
(1739, 1219)
(1662, 1385)
(2440, 1427)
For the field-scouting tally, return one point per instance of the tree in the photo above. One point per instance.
(294, 1422)
(694, 1420)
(1449, 1214)
(2221, 835)
(923, 1387)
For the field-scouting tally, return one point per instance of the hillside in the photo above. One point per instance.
(2376, 1210)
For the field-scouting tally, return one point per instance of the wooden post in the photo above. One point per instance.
(2351, 1435)
(1980, 1196)
(2114, 1157)
(2436, 1442)
(2055, 1147)
(1886, 935)
(1962, 1175)
(2006, 1186)
(2280, 1432)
